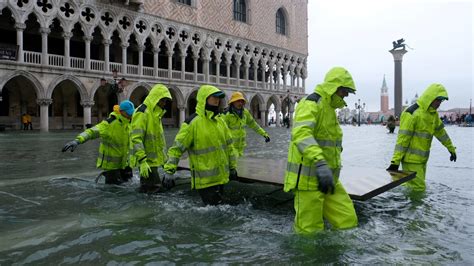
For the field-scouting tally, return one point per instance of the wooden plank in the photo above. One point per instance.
(360, 183)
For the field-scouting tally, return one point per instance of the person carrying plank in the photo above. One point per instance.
(237, 119)
(208, 141)
(114, 145)
(418, 124)
(314, 158)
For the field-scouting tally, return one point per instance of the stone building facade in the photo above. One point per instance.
(63, 61)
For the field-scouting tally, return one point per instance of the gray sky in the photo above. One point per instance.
(358, 34)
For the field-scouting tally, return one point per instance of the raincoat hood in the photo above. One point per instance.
(335, 78)
(158, 92)
(431, 93)
(204, 92)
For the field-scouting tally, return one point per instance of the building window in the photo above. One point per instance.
(185, 2)
(240, 10)
(280, 22)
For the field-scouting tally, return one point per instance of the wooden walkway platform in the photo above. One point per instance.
(360, 183)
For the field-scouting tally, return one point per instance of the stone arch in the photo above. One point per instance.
(134, 86)
(14, 13)
(39, 89)
(255, 104)
(82, 89)
(191, 101)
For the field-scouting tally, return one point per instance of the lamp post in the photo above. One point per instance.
(358, 106)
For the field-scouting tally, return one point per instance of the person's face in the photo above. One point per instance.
(162, 103)
(436, 103)
(342, 92)
(238, 104)
(213, 100)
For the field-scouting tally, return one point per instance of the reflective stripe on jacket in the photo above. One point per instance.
(209, 144)
(147, 136)
(114, 141)
(316, 134)
(418, 124)
(237, 126)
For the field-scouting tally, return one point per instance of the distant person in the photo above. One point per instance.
(148, 139)
(391, 124)
(419, 123)
(114, 144)
(26, 121)
(208, 141)
(314, 158)
(237, 119)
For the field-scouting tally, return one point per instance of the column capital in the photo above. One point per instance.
(141, 48)
(87, 38)
(156, 50)
(181, 107)
(87, 103)
(44, 30)
(44, 101)
(106, 42)
(398, 54)
(67, 35)
(20, 26)
(125, 45)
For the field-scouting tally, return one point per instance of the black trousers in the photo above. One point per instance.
(212, 195)
(118, 176)
(152, 184)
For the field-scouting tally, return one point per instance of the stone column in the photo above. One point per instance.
(20, 27)
(237, 65)
(263, 118)
(67, 54)
(206, 61)
(44, 46)
(106, 44)
(183, 66)
(246, 69)
(278, 76)
(87, 105)
(228, 60)
(44, 117)
(169, 53)
(124, 57)
(278, 121)
(264, 64)
(255, 73)
(218, 69)
(291, 109)
(141, 48)
(182, 114)
(270, 76)
(195, 67)
(398, 86)
(298, 75)
(87, 40)
(156, 52)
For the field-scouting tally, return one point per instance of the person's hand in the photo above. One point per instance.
(168, 180)
(393, 167)
(72, 145)
(453, 157)
(267, 139)
(325, 178)
(233, 174)
(144, 169)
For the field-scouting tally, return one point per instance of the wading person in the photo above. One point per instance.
(418, 124)
(314, 158)
(237, 119)
(148, 140)
(114, 145)
(208, 141)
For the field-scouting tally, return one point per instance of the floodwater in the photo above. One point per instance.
(52, 211)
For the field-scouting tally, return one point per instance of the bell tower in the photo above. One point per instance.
(384, 96)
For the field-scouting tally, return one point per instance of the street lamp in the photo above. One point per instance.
(358, 106)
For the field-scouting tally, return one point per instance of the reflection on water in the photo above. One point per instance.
(51, 210)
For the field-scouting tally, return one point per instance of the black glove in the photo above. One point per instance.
(325, 178)
(71, 145)
(233, 174)
(168, 180)
(393, 167)
(267, 139)
(453, 157)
